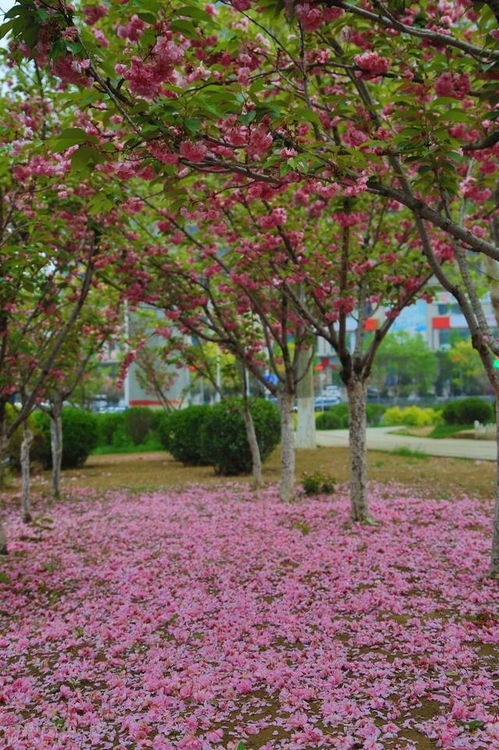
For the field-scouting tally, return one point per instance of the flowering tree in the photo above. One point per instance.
(356, 94)
(386, 99)
(97, 324)
(54, 238)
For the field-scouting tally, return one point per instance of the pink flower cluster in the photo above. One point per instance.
(198, 620)
(371, 64)
(455, 85)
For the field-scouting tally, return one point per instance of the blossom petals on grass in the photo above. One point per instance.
(204, 619)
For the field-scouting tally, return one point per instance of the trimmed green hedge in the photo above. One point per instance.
(467, 410)
(223, 435)
(180, 434)
(80, 435)
(336, 417)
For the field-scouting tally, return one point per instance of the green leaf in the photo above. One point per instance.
(71, 137)
(248, 117)
(456, 115)
(85, 158)
(4, 578)
(5, 28)
(185, 27)
(192, 124)
(197, 13)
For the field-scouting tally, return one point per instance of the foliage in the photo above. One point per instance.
(138, 421)
(405, 363)
(37, 448)
(467, 373)
(80, 434)
(224, 444)
(409, 453)
(442, 431)
(318, 483)
(110, 426)
(334, 418)
(466, 410)
(180, 434)
(413, 416)
(374, 414)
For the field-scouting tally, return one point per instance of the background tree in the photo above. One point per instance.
(405, 365)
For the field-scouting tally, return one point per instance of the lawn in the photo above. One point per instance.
(204, 617)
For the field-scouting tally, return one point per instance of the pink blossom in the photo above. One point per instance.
(456, 85)
(372, 64)
(193, 151)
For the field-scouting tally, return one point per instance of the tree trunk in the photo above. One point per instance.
(256, 460)
(3, 539)
(494, 564)
(56, 439)
(357, 397)
(287, 481)
(305, 433)
(25, 472)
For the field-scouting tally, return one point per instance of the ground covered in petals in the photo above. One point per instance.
(208, 619)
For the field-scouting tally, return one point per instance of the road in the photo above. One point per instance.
(379, 438)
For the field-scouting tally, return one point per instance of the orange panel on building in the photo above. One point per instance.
(371, 324)
(441, 323)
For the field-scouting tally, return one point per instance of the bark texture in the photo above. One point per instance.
(25, 472)
(3, 539)
(256, 460)
(56, 447)
(305, 433)
(357, 390)
(494, 562)
(287, 480)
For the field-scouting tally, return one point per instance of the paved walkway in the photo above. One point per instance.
(379, 438)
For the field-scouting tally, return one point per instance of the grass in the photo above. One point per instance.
(152, 444)
(158, 470)
(438, 432)
(448, 430)
(409, 453)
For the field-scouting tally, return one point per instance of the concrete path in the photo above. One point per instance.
(379, 438)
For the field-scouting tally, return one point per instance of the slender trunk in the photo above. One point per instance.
(56, 439)
(287, 481)
(25, 472)
(357, 397)
(256, 460)
(3, 538)
(305, 433)
(494, 563)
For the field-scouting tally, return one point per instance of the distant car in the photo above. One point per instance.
(321, 403)
(373, 393)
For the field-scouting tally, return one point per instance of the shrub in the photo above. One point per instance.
(37, 449)
(412, 416)
(138, 422)
(180, 434)
(467, 410)
(318, 483)
(162, 427)
(336, 417)
(223, 434)
(374, 414)
(80, 435)
(110, 427)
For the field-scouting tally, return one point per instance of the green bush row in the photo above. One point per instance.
(412, 416)
(336, 417)
(216, 435)
(466, 410)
